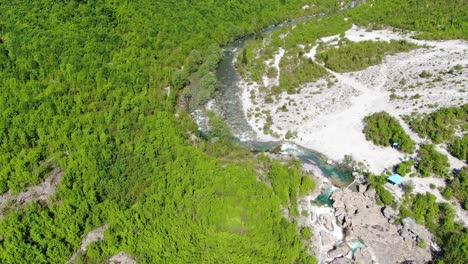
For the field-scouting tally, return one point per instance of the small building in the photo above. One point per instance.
(395, 179)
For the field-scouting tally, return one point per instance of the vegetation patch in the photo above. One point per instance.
(91, 86)
(432, 162)
(459, 148)
(458, 186)
(297, 71)
(377, 182)
(354, 56)
(384, 130)
(440, 126)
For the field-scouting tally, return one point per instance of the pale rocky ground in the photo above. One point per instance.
(41, 192)
(121, 258)
(93, 236)
(357, 222)
(327, 115)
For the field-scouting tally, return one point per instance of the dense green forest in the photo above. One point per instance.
(440, 126)
(435, 19)
(85, 87)
(385, 130)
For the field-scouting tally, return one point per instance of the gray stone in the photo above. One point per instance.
(342, 260)
(340, 251)
(363, 256)
(388, 212)
(328, 240)
(362, 188)
(327, 222)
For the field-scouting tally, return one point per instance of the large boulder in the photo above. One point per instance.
(388, 212)
(362, 188)
(328, 240)
(327, 222)
(363, 256)
(338, 252)
(370, 194)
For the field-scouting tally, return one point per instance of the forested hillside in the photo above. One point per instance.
(89, 88)
(434, 19)
(84, 87)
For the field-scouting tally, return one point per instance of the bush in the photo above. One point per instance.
(447, 193)
(408, 187)
(179, 79)
(218, 128)
(306, 233)
(355, 56)
(385, 195)
(307, 185)
(377, 183)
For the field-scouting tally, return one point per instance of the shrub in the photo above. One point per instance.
(459, 148)
(432, 162)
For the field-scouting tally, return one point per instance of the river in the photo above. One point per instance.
(228, 104)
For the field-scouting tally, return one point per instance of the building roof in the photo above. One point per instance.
(396, 178)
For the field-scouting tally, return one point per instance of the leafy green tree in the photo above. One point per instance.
(179, 79)
(384, 130)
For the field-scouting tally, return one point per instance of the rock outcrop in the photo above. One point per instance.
(121, 258)
(364, 220)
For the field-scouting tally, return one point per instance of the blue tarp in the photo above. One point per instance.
(395, 178)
